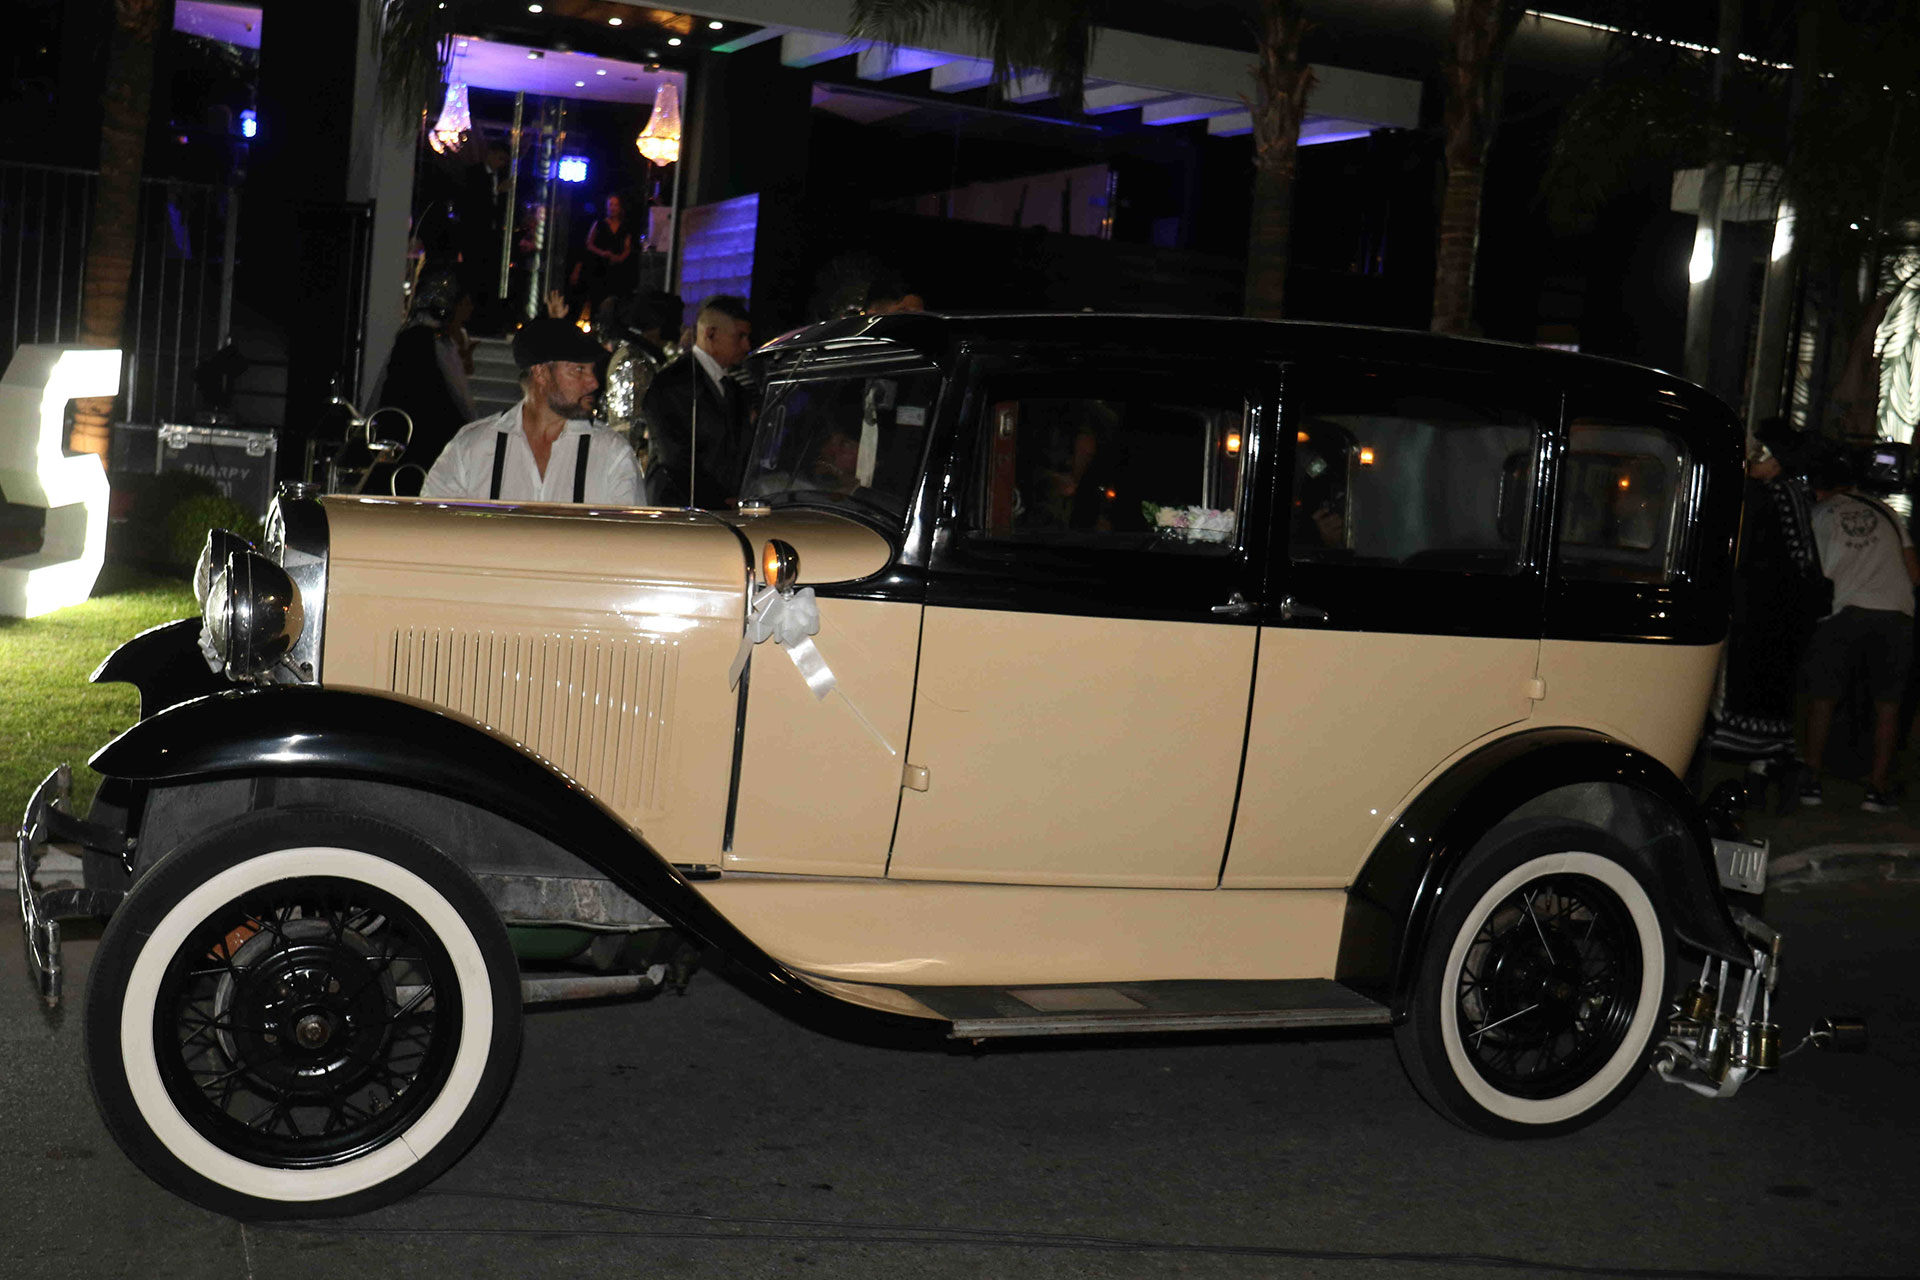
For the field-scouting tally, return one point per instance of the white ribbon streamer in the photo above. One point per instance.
(791, 621)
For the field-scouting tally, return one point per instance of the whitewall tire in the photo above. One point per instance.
(301, 1013)
(1542, 985)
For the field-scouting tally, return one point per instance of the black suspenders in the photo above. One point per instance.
(499, 465)
(579, 467)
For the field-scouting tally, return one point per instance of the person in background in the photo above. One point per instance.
(638, 356)
(1775, 588)
(426, 373)
(609, 267)
(893, 299)
(545, 448)
(1867, 552)
(696, 417)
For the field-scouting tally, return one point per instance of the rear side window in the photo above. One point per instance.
(1624, 489)
(1127, 464)
(1389, 474)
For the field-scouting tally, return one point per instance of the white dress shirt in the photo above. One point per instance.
(464, 468)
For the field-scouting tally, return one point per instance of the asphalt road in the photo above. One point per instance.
(705, 1136)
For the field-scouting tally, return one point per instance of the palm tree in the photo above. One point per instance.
(108, 268)
(1052, 36)
(1282, 80)
(1478, 48)
(1824, 99)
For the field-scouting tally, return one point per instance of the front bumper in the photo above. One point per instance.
(49, 818)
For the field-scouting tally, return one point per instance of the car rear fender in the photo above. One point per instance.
(1569, 774)
(305, 731)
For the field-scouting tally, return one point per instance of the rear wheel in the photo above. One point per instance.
(301, 1013)
(1542, 986)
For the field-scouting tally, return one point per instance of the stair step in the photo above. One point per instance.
(986, 1013)
(496, 356)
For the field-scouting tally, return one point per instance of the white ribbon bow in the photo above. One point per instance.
(791, 621)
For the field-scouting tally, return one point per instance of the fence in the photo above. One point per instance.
(44, 213)
(179, 300)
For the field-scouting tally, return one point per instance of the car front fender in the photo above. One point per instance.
(296, 730)
(165, 664)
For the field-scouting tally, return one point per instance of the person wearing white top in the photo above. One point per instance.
(543, 449)
(1868, 636)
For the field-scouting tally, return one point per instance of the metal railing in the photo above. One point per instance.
(44, 213)
(179, 299)
(179, 302)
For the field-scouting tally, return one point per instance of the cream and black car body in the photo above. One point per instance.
(1055, 675)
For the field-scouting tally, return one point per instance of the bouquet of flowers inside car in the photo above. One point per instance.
(1194, 524)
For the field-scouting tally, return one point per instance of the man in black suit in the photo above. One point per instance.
(697, 418)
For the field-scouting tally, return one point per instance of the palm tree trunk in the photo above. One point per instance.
(1282, 81)
(1481, 30)
(1459, 246)
(116, 207)
(1269, 240)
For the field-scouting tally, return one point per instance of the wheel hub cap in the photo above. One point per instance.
(313, 1031)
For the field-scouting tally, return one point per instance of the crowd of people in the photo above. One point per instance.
(622, 401)
(1823, 611)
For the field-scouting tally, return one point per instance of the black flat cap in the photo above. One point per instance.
(546, 339)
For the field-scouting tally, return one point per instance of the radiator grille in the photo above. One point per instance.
(598, 707)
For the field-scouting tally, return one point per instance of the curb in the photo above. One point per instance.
(1829, 863)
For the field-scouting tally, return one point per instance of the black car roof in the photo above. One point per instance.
(934, 337)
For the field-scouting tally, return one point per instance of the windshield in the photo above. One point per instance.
(852, 441)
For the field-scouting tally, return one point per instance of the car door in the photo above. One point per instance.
(1086, 652)
(819, 779)
(1402, 607)
(1632, 633)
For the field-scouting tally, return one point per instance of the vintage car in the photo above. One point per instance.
(1056, 675)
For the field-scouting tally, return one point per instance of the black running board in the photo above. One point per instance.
(1134, 1008)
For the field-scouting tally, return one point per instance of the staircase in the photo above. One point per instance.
(496, 379)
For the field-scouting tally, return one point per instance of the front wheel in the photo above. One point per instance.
(301, 1014)
(1542, 985)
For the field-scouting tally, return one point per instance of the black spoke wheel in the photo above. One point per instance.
(1542, 985)
(301, 1013)
(1547, 988)
(307, 1022)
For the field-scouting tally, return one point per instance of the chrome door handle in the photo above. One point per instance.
(1237, 606)
(1289, 611)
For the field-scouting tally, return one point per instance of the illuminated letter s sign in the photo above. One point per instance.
(36, 471)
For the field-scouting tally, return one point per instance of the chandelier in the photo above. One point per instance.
(450, 130)
(659, 142)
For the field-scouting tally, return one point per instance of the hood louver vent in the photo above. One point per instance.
(599, 708)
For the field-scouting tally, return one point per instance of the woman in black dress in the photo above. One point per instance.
(611, 267)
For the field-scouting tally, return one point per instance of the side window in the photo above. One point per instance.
(1116, 463)
(853, 440)
(1388, 475)
(1622, 490)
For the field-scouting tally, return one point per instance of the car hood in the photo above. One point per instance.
(602, 640)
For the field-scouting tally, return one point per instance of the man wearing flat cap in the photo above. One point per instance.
(544, 449)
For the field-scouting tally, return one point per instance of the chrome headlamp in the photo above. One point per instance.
(214, 553)
(251, 616)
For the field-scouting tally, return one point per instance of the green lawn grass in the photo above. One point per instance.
(49, 714)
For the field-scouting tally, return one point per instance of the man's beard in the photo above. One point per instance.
(580, 408)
